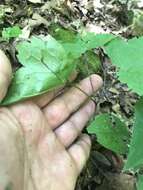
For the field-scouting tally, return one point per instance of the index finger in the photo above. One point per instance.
(63, 106)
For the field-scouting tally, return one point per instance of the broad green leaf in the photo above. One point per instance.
(93, 40)
(140, 182)
(75, 49)
(45, 66)
(135, 157)
(11, 32)
(89, 62)
(77, 44)
(31, 82)
(128, 57)
(48, 63)
(45, 50)
(85, 42)
(72, 43)
(111, 132)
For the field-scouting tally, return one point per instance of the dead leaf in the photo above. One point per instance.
(37, 20)
(140, 4)
(25, 32)
(96, 29)
(35, 1)
(52, 4)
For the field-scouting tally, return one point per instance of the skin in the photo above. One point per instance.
(41, 142)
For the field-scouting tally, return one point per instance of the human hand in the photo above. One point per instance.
(41, 145)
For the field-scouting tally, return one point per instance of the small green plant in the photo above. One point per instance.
(11, 32)
(128, 57)
(111, 132)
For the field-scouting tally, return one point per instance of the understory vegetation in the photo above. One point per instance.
(48, 41)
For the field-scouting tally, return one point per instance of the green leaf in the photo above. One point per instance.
(88, 64)
(46, 50)
(46, 66)
(85, 42)
(11, 32)
(135, 157)
(111, 132)
(48, 63)
(93, 40)
(140, 182)
(77, 44)
(128, 57)
(63, 35)
(30, 82)
(71, 42)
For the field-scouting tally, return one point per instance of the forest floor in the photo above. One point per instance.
(104, 168)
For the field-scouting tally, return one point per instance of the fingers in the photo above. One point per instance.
(71, 129)
(80, 151)
(44, 99)
(61, 108)
(5, 74)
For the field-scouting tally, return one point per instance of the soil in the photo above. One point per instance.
(104, 168)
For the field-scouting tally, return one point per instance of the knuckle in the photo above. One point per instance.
(86, 139)
(90, 108)
(81, 153)
(73, 126)
(96, 81)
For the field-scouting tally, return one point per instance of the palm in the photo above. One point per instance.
(37, 139)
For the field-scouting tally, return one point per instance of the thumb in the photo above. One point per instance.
(5, 74)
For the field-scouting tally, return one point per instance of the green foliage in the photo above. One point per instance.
(111, 132)
(128, 57)
(85, 42)
(88, 64)
(140, 182)
(11, 32)
(62, 34)
(80, 45)
(77, 44)
(44, 67)
(48, 63)
(135, 157)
